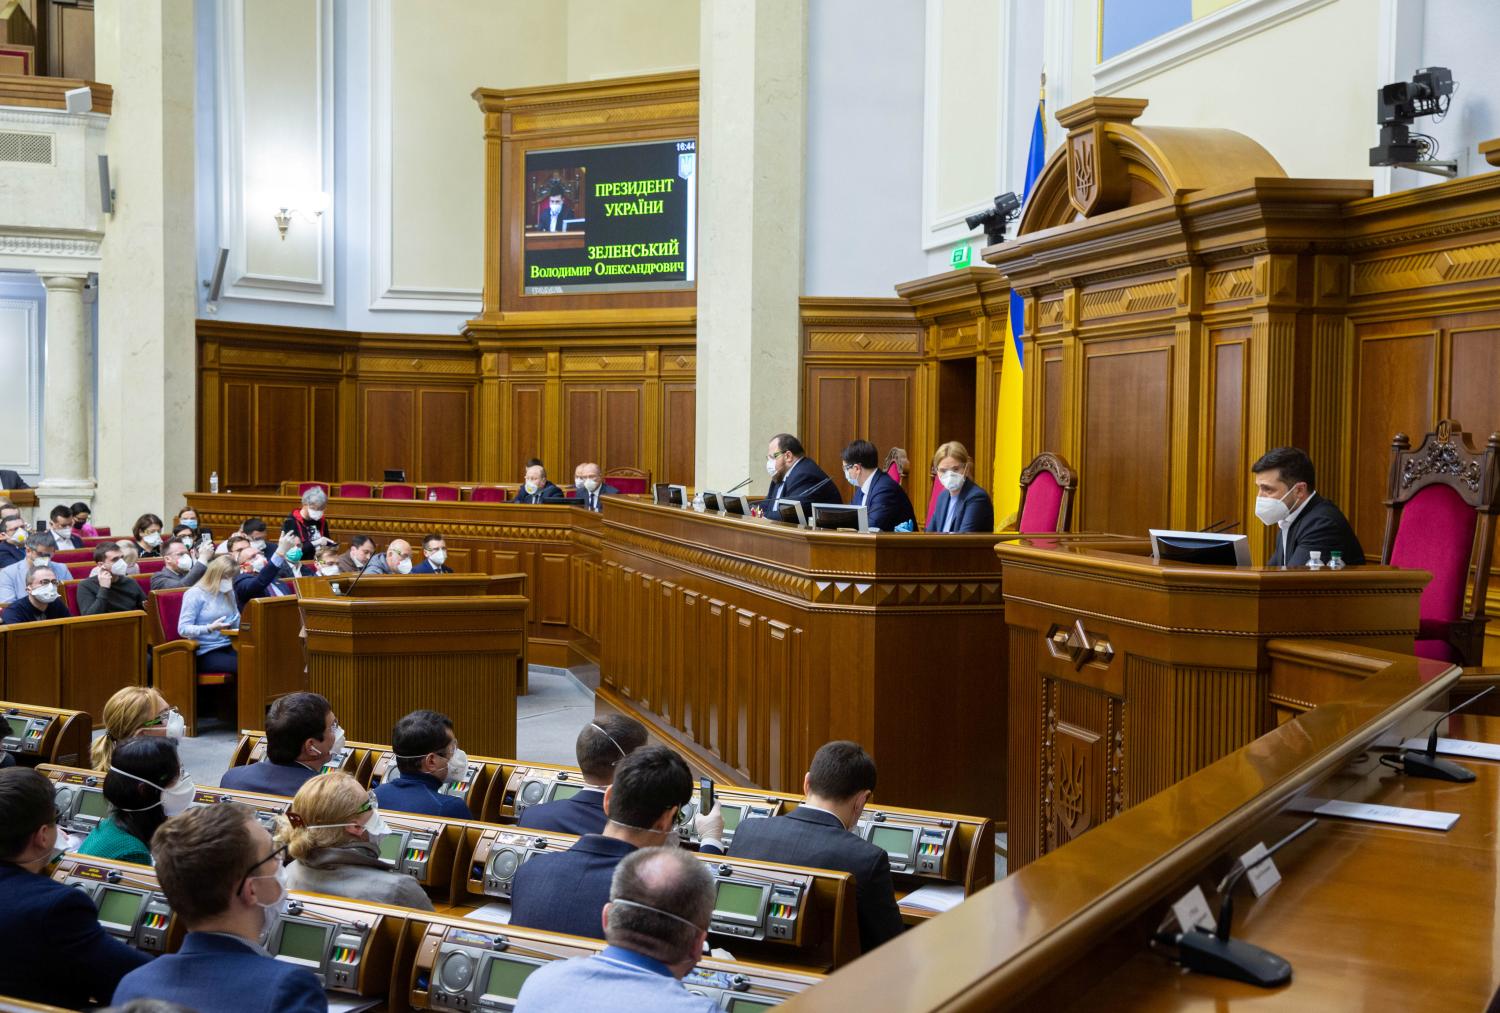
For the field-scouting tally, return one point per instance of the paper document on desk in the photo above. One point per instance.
(937, 897)
(498, 912)
(1427, 819)
(1457, 747)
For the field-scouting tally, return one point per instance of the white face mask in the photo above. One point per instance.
(532, 487)
(329, 569)
(338, 741)
(404, 566)
(258, 544)
(152, 538)
(64, 532)
(375, 827)
(952, 480)
(45, 593)
(184, 562)
(175, 725)
(175, 799)
(589, 484)
(277, 906)
(771, 466)
(1272, 509)
(257, 564)
(314, 515)
(458, 765)
(225, 586)
(119, 568)
(437, 557)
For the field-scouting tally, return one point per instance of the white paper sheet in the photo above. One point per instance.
(935, 897)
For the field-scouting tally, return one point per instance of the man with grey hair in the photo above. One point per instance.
(655, 923)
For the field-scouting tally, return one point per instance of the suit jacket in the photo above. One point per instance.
(886, 504)
(566, 892)
(11, 553)
(257, 585)
(13, 579)
(806, 483)
(817, 839)
(167, 579)
(581, 814)
(420, 793)
(55, 950)
(1321, 526)
(10, 480)
(974, 510)
(544, 216)
(348, 565)
(548, 493)
(218, 972)
(425, 566)
(591, 502)
(267, 777)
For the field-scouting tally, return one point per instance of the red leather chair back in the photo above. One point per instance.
(81, 570)
(153, 565)
(169, 610)
(355, 490)
(66, 556)
(398, 491)
(1043, 509)
(443, 493)
(487, 494)
(70, 595)
(103, 531)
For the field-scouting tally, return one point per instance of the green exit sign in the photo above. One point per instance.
(962, 256)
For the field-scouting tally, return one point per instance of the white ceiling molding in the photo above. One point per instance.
(385, 294)
(239, 283)
(1194, 39)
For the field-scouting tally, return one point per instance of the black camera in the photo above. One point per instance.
(1397, 106)
(994, 219)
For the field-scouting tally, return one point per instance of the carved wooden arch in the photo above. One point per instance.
(1108, 163)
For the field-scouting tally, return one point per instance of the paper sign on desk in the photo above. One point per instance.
(1427, 819)
(1192, 911)
(1457, 747)
(937, 897)
(1264, 876)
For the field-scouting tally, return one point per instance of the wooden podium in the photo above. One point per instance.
(396, 644)
(1127, 675)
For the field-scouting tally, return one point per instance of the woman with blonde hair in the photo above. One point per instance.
(963, 506)
(208, 609)
(333, 830)
(134, 710)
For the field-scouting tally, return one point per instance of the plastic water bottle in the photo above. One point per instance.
(213, 483)
(1336, 560)
(1315, 560)
(432, 495)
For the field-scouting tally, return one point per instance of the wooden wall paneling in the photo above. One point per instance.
(1026, 743)
(550, 588)
(717, 652)
(689, 611)
(444, 423)
(622, 417)
(324, 437)
(583, 417)
(742, 672)
(1051, 387)
(886, 415)
(282, 433)
(1125, 481)
(238, 437)
(489, 419)
(66, 30)
(387, 427)
(524, 438)
(679, 432)
(1226, 481)
(1473, 376)
(778, 718)
(34, 663)
(1397, 380)
(833, 413)
(350, 433)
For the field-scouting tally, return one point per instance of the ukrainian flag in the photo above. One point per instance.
(1008, 448)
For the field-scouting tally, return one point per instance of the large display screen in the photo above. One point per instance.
(119, 907)
(507, 977)
(93, 803)
(895, 840)
(616, 218)
(737, 899)
(302, 941)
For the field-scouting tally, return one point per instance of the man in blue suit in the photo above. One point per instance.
(258, 576)
(817, 834)
(565, 892)
(302, 734)
(434, 556)
(962, 507)
(427, 758)
(601, 745)
(223, 876)
(55, 951)
(795, 476)
(884, 501)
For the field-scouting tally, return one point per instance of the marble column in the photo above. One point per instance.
(67, 396)
(752, 115)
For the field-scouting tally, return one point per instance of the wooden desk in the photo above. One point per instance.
(1126, 675)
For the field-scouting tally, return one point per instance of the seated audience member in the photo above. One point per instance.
(794, 476)
(885, 502)
(55, 950)
(1284, 483)
(179, 567)
(427, 757)
(259, 577)
(361, 551)
(896, 464)
(13, 541)
(185, 534)
(588, 486)
(132, 556)
(601, 745)
(536, 488)
(302, 734)
(817, 834)
(395, 559)
(656, 921)
(332, 830)
(147, 535)
(233, 545)
(133, 711)
(60, 527)
(222, 874)
(7, 511)
(564, 892)
(81, 515)
(187, 517)
(108, 587)
(307, 521)
(963, 506)
(434, 556)
(208, 609)
(38, 554)
(328, 560)
(144, 786)
(43, 599)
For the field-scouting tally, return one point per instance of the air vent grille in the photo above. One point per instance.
(17, 147)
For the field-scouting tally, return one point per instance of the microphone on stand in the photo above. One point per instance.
(739, 487)
(360, 574)
(1427, 763)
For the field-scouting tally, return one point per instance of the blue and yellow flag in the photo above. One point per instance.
(1008, 448)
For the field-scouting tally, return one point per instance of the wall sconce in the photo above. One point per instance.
(309, 207)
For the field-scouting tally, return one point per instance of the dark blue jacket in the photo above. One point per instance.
(268, 778)
(566, 892)
(425, 566)
(1321, 526)
(22, 611)
(548, 493)
(11, 553)
(886, 505)
(807, 484)
(590, 501)
(581, 814)
(257, 585)
(55, 951)
(817, 839)
(975, 511)
(420, 793)
(215, 972)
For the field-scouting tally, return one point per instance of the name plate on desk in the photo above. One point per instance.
(1458, 747)
(1427, 819)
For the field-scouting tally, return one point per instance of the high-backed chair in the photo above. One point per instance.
(1047, 487)
(73, 556)
(103, 532)
(355, 490)
(312, 485)
(629, 480)
(487, 494)
(398, 490)
(1440, 496)
(443, 493)
(152, 565)
(174, 660)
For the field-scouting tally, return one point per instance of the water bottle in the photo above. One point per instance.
(1315, 560)
(213, 483)
(432, 495)
(1336, 560)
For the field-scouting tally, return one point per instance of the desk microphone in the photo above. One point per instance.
(1219, 527)
(358, 575)
(1428, 763)
(739, 487)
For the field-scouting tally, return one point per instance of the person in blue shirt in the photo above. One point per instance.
(208, 609)
(223, 876)
(601, 745)
(302, 735)
(656, 920)
(427, 758)
(55, 950)
(38, 553)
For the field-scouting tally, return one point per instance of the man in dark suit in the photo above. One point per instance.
(553, 211)
(588, 487)
(55, 951)
(817, 834)
(885, 502)
(962, 506)
(794, 476)
(302, 734)
(427, 758)
(222, 874)
(10, 480)
(13, 541)
(537, 488)
(434, 556)
(564, 892)
(1285, 483)
(258, 576)
(601, 745)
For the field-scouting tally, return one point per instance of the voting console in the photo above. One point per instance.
(33, 735)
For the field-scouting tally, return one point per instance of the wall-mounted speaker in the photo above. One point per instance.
(106, 192)
(215, 285)
(79, 100)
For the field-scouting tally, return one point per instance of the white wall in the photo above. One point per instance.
(22, 319)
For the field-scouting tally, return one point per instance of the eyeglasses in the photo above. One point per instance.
(162, 718)
(278, 853)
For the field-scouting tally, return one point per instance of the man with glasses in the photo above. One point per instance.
(38, 553)
(302, 737)
(427, 758)
(223, 876)
(55, 951)
(179, 568)
(794, 476)
(43, 599)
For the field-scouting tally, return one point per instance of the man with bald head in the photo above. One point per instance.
(589, 486)
(396, 558)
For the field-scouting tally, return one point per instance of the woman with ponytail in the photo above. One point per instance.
(145, 786)
(134, 710)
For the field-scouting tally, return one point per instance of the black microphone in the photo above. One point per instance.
(739, 487)
(360, 574)
(1219, 527)
(1428, 764)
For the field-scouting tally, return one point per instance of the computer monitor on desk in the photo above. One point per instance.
(789, 512)
(1202, 547)
(840, 515)
(664, 494)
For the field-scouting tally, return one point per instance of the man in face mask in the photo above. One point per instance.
(55, 950)
(552, 212)
(302, 737)
(223, 876)
(109, 587)
(396, 559)
(795, 476)
(361, 548)
(61, 528)
(588, 487)
(38, 553)
(1285, 497)
(886, 503)
(180, 568)
(427, 760)
(434, 556)
(13, 541)
(43, 599)
(537, 488)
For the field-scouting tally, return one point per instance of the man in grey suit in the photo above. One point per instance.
(179, 568)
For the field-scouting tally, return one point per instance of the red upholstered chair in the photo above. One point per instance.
(70, 593)
(355, 490)
(96, 539)
(153, 565)
(1047, 486)
(443, 493)
(103, 532)
(937, 490)
(143, 581)
(312, 485)
(1440, 517)
(629, 480)
(398, 490)
(66, 556)
(487, 494)
(81, 569)
(174, 661)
